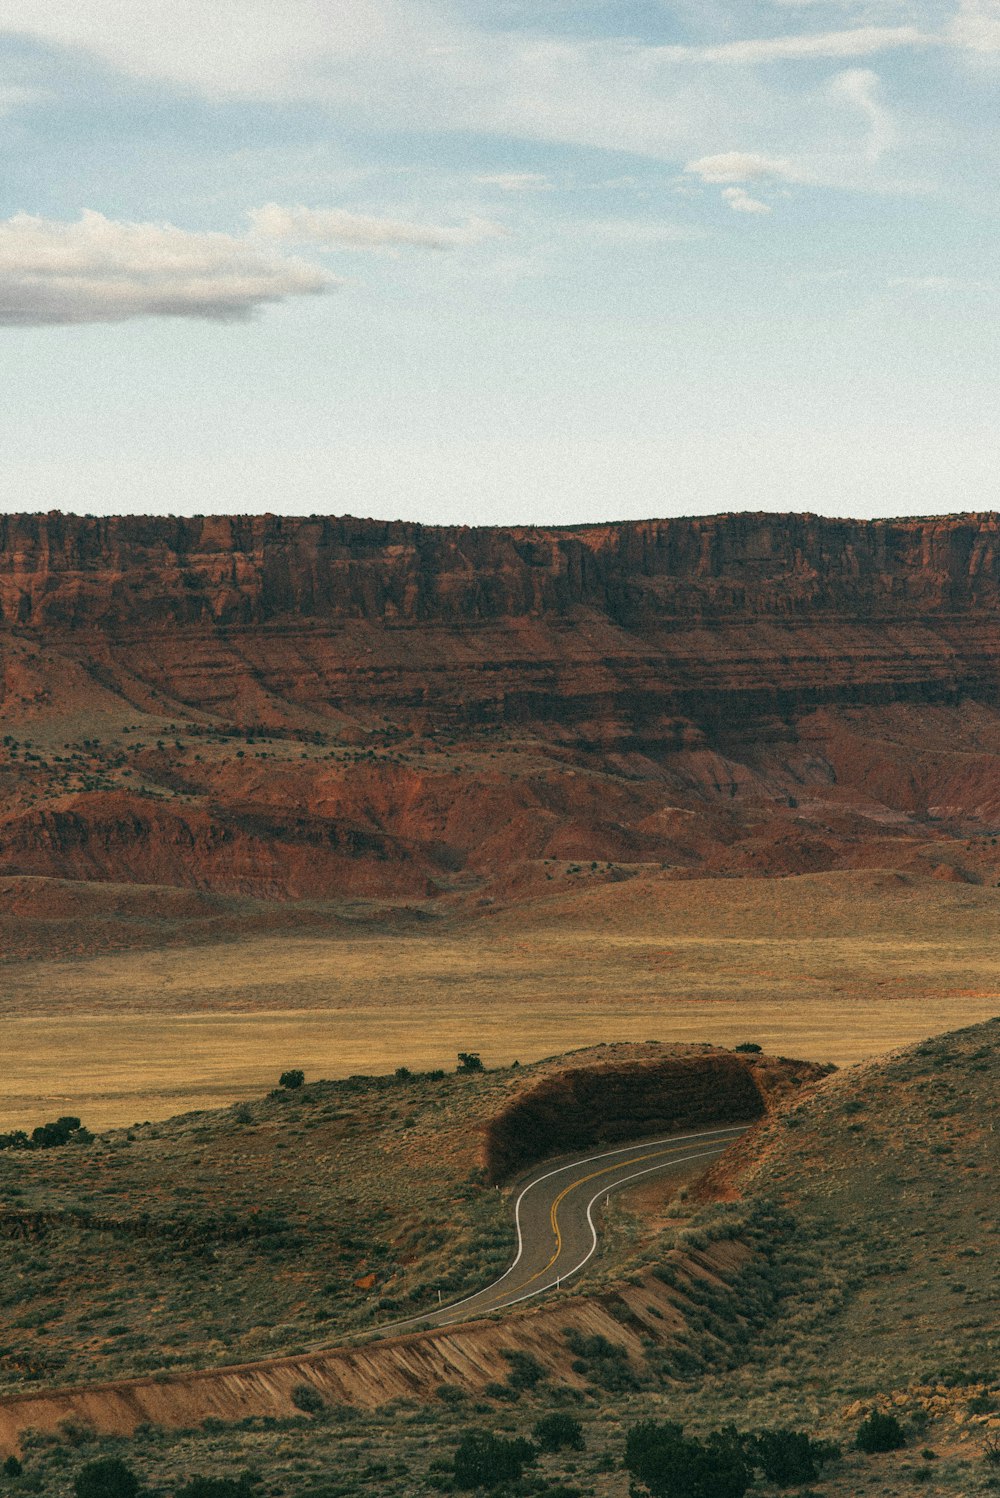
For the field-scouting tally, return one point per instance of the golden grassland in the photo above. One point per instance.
(835, 966)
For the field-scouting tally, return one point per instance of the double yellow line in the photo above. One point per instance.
(583, 1181)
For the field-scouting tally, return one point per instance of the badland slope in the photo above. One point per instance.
(343, 709)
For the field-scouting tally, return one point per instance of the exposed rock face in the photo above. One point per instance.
(598, 1105)
(748, 693)
(121, 573)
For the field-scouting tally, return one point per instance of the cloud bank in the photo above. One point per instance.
(96, 270)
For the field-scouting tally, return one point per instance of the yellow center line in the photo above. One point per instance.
(554, 1211)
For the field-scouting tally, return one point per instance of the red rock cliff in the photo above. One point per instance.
(745, 693)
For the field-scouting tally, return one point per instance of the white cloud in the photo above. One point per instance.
(740, 201)
(96, 270)
(334, 228)
(858, 41)
(938, 283)
(976, 26)
(517, 181)
(742, 166)
(253, 47)
(861, 88)
(624, 231)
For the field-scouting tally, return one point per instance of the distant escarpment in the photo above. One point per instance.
(324, 706)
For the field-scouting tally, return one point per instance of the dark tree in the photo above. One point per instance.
(292, 1079)
(469, 1061)
(790, 1457)
(484, 1460)
(880, 1433)
(558, 1431)
(669, 1464)
(108, 1478)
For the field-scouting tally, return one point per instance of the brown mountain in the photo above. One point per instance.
(332, 708)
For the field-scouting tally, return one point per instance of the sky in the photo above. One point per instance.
(526, 261)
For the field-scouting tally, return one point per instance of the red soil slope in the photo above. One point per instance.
(335, 708)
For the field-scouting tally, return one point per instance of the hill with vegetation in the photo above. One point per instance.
(841, 1261)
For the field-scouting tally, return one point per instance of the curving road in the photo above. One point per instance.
(554, 1216)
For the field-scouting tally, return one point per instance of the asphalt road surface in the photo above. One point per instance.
(555, 1210)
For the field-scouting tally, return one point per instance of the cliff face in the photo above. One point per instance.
(65, 571)
(313, 706)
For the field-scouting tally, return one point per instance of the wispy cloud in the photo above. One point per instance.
(976, 26)
(740, 201)
(624, 231)
(95, 270)
(861, 88)
(335, 228)
(858, 41)
(742, 166)
(517, 181)
(939, 283)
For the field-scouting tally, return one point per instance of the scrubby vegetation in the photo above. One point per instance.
(850, 1289)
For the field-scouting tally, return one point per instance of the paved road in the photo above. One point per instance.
(554, 1214)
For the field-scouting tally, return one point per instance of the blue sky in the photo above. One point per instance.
(517, 262)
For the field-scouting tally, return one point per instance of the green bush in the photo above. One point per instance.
(308, 1399)
(668, 1464)
(469, 1061)
(12, 1467)
(880, 1433)
(525, 1371)
(788, 1457)
(108, 1478)
(484, 1460)
(292, 1079)
(558, 1431)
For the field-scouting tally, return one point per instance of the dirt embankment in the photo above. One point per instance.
(414, 1366)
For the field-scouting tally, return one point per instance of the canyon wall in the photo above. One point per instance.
(317, 707)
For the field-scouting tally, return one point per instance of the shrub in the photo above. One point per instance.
(880, 1433)
(669, 1464)
(308, 1399)
(483, 1460)
(292, 1079)
(525, 1371)
(469, 1061)
(12, 1467)
(559, 1430)
(788, 1457)
(749, 1048)
(108, 1478)
(217, 1487)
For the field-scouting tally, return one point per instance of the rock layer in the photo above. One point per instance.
(368, 709)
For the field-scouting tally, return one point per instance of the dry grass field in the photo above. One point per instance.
(835, 966)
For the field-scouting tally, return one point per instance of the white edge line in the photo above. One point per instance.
(605, 1190)
(570, 1164)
